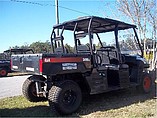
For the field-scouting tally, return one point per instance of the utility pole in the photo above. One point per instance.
(57, 15)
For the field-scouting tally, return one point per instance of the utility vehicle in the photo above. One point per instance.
(5, 66)
(63, 78)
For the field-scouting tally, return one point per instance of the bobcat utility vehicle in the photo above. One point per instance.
(63, 78)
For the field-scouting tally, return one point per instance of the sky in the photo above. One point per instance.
(29, 21)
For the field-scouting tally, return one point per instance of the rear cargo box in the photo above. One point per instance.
(27, 63)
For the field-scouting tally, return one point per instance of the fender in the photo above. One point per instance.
(37, 78)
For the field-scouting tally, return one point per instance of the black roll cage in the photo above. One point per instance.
(88, 26)
(19, 50)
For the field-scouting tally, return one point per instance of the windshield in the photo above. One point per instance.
(4, 56)
(128, 42)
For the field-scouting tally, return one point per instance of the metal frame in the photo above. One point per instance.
(90, 29)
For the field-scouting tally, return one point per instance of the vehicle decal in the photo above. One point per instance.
(69, 66)
(86, 59)
(15, 67)
(29, 68)
(65, 59)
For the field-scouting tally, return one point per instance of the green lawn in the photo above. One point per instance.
(118, 104)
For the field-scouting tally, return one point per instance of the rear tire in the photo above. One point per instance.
(146, 83)
(3, 72)
(65, 98)
(29, 91)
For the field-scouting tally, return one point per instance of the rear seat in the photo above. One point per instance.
(59, 50)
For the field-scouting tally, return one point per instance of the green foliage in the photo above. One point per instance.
(99, 45)
(128, 44)
(38, 47)
(121, 104)
(15, 47)
(41, 47)
(69, 48)
(45, 47)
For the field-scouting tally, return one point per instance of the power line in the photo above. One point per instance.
(36, 3)
(74, 10)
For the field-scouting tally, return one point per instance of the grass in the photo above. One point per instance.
(20, 107)
(118, 104)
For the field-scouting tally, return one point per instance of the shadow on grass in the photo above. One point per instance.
(90, 104)
(35, 111)
(112, 100)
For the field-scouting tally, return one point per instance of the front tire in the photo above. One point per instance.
(146, 83)
(3, 72)
(65, 97)
(29, 90)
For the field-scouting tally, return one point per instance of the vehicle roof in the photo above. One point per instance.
(18, 50)
(99, 24)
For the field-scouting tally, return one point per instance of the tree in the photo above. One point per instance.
(143, 14)
(14, 47)
(41, 47)
(69, 48)
(99, 45)
(136, 11)
(26, 45)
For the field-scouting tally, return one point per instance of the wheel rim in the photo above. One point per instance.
(69, 98)
(147, 83)
(3, 72)
(33, 89)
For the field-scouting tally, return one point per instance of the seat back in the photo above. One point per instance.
(104, 57)
(59, 50)
(83, 49)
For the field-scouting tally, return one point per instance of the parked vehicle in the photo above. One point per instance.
(5, 64)
(63, 78)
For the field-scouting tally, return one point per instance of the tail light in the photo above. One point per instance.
(40, 65)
